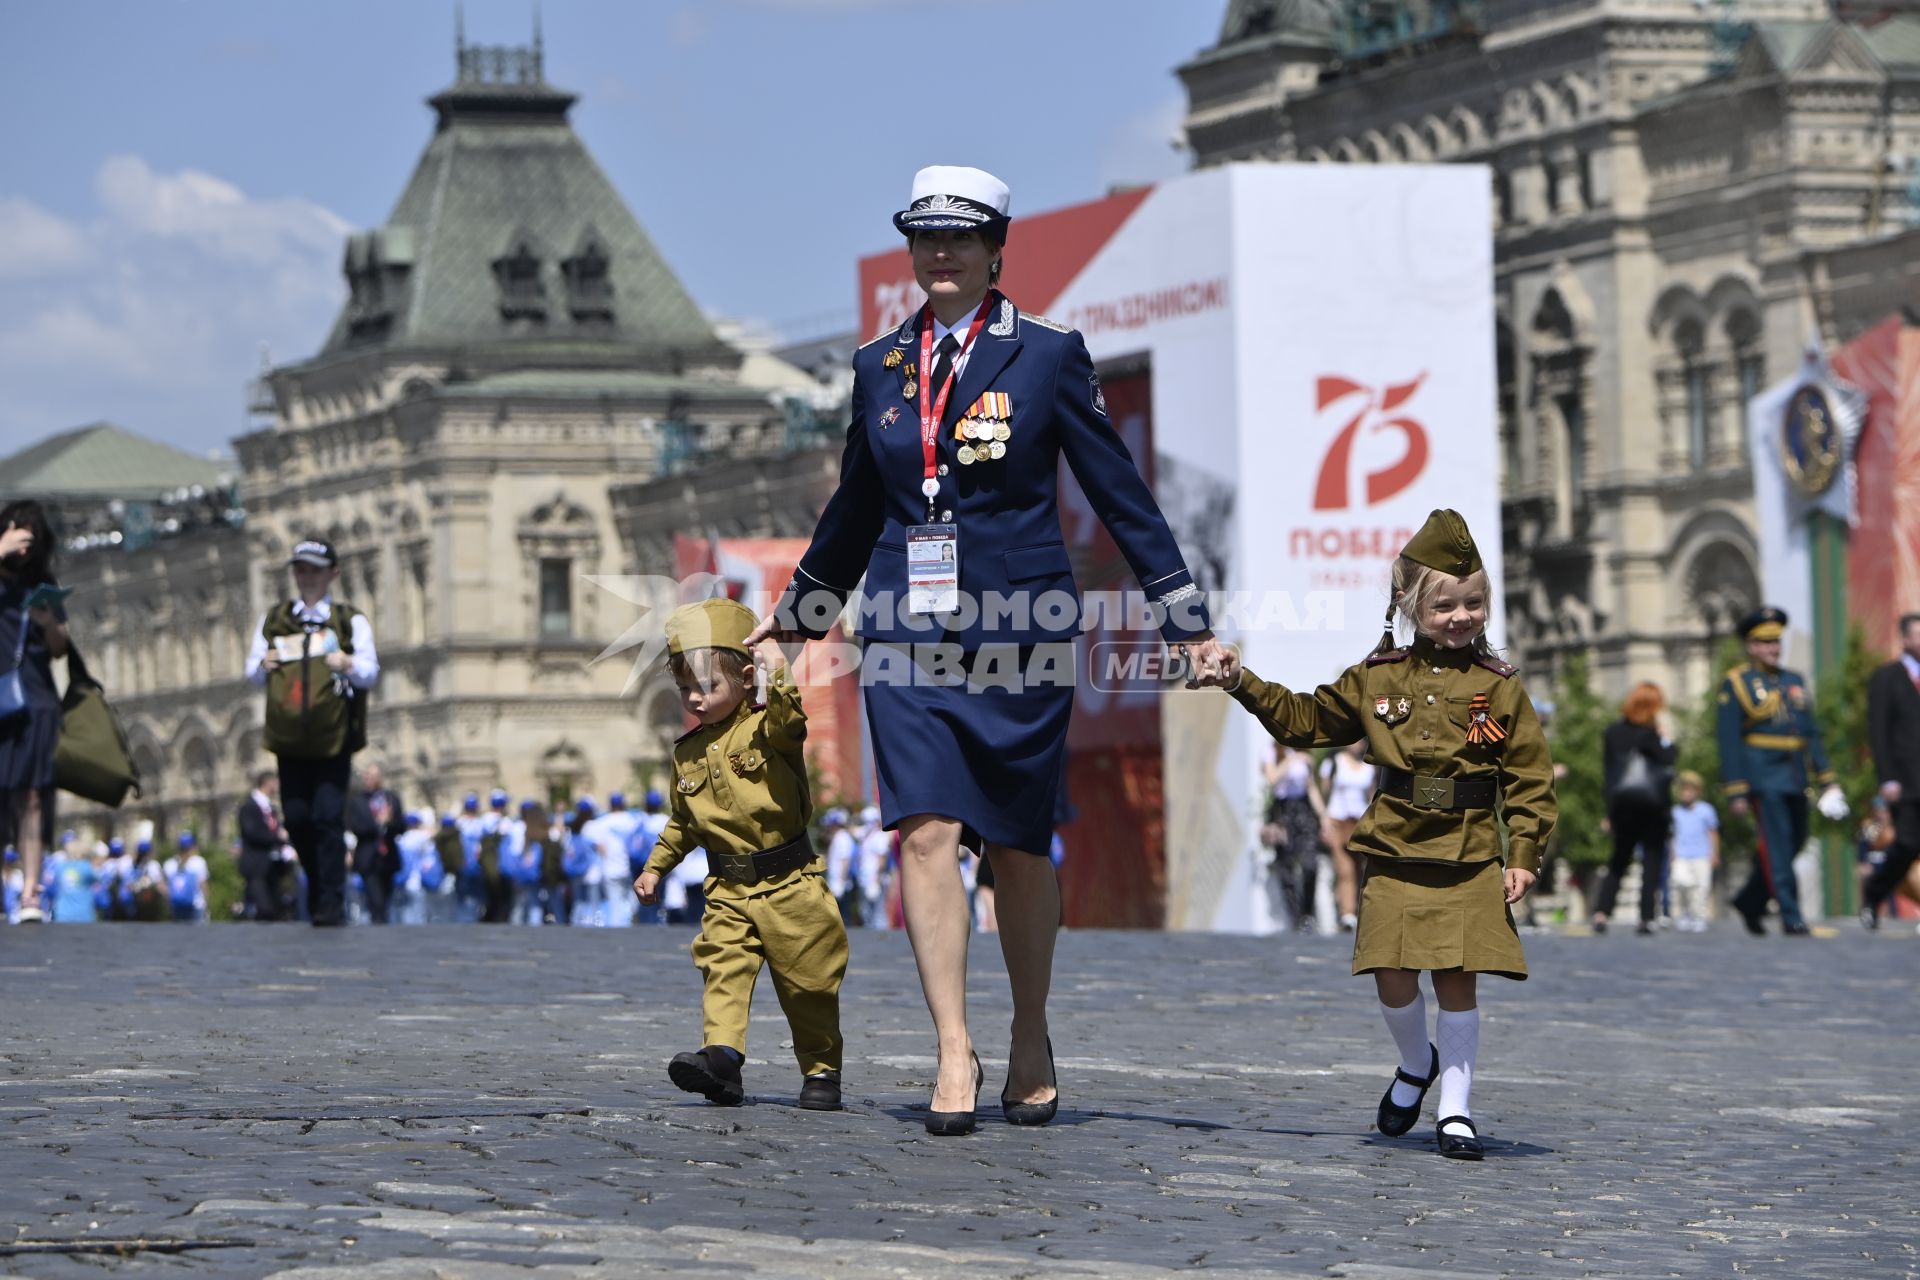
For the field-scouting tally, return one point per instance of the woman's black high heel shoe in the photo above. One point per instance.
(954, 1124)
(1034, 1112)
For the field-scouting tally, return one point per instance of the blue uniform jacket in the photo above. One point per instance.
(1011, 548)
(1769, 741)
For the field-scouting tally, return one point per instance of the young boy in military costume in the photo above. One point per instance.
(740, 792)
(1461, 752)
(1770, 749)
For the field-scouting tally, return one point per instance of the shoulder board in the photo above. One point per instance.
(901, 333)
(1045, 323)
(1499, 666)
(1389, 655)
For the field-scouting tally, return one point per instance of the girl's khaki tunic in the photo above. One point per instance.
(1434, 897)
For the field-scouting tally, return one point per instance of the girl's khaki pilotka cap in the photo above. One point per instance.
(710, 624)
(1444, 543)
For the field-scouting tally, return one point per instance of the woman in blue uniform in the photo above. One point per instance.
(31, 636)
(947, 506)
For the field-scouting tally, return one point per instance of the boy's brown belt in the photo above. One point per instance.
(748, 868)
(1424, 792)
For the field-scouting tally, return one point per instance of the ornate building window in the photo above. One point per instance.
(517, 273)
(1561, 357)
(1749, 370)
(556, 598)
(589, 280)
(558, 539)
(1694, 385)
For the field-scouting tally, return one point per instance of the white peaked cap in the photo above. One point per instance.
(950, 197)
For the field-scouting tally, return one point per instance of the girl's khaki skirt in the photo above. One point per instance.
(1436, 915)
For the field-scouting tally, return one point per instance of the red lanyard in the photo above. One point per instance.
(930, 416)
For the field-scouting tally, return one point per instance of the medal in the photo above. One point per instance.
(1002, 431)
(1383, 708)
(891, 416)
(1406, 705)
(996, 450)
(893, 359)
(911, 389)
(966, 455)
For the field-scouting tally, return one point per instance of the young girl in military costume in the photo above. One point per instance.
(1461, 754)
(740, 792)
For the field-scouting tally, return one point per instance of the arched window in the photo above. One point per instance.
(1691, 344)
(1749, 365)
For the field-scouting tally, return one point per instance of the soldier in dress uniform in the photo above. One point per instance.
(1770, 751)
(1461, 753)
(948, 506)
(740, 790)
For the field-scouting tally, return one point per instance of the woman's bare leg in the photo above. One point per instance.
(1346, 880)
(934, 900)
(27, 836)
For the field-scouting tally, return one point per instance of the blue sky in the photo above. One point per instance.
(176, 177)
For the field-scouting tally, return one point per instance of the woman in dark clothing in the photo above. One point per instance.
(1639, 757)
(28, 739)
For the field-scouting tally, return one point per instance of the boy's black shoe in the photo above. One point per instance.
(1751, 919)
(710, 1072)
(821, 1092)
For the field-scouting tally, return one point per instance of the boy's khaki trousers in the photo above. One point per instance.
(793, 929)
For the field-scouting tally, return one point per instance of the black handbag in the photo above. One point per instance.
(93, 760)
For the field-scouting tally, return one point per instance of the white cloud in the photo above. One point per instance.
(34, 242)
(151, 312)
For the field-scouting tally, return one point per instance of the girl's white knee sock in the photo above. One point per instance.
(1458, 1035)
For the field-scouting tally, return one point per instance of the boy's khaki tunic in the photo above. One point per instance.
(1414, 707)
(741, 787)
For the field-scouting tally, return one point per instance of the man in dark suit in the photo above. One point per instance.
(261, 839)
(1893, 729)
(377, 822)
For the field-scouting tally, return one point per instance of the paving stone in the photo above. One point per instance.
(471, 1103)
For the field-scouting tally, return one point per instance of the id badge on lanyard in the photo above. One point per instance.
(933, 569)
(933, 550)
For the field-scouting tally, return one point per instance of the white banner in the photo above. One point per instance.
(1321, 348)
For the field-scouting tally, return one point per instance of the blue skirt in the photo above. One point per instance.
(980, 738)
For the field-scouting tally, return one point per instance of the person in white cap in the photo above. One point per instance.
(314, 656)
(947, 504)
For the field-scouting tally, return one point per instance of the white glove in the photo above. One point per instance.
(1832, 804)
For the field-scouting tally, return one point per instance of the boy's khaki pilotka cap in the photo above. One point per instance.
(1444, 543)
(710, 624)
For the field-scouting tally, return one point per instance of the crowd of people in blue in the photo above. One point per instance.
(488, 862)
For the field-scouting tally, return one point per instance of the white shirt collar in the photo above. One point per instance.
(260, 798)
(1912, 665)
(319, 613)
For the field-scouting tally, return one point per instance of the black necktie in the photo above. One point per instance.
(944, 365)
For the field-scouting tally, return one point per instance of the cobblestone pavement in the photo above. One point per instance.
(478, 1102)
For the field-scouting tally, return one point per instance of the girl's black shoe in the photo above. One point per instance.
(954, 1124)
(1394, 1121)
(1456, 1146)
(1034, 1112)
